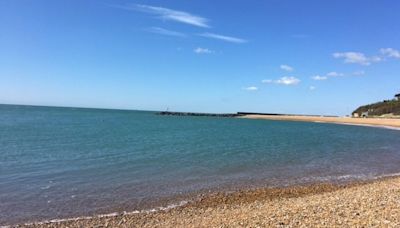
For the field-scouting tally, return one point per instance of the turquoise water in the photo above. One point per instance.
(66, 162)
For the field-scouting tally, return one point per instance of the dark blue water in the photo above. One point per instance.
(66, 162)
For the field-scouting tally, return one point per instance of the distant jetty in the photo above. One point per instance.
(280, 114)
(199, 114)
(238, 114)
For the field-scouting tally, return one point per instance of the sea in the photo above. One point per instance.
(58, 163)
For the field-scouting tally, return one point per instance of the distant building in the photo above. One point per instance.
(364, 114)
(355, 115)
(397, 96)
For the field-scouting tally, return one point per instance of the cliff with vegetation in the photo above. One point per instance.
(385, 108)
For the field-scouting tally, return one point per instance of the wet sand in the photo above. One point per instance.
(363, 204)
(388, 122)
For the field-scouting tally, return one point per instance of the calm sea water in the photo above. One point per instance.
(66, 162)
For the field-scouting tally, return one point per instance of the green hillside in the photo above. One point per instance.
(380, 108)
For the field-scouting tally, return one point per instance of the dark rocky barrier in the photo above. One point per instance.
(199, 114)
(167, 113)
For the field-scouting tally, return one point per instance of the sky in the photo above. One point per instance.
(276, 56)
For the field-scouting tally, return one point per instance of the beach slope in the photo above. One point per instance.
(375, 204)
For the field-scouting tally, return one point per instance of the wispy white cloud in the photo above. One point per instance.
(357, 58)
(334, 74)
(358, 73)
(352, 57)
(327, 76)
(390, 52)
(200, 50)
(251, 88)
(267, 81)
(165, 32)
(286, 67)
(287, 80)
(223, 38)
(312, 87)
(319, 78)
(169, 14)
(361, 58)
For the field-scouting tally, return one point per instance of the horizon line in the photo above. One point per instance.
(143, 110)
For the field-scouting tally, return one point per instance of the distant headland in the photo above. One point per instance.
(383, 109)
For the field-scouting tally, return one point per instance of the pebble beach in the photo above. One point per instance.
(362, 204)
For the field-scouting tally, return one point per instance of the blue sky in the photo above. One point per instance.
(309, 57)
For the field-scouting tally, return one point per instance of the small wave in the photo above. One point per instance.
(348, 177)
(184, 202)
(330, 178)
(392, 128)
(370, 125)
(387, 175)
(114, 214)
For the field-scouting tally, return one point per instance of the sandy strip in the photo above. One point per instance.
(341, 120)
(373, 204)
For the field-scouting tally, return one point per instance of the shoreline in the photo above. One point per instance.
(208, 209)
(367, 122)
